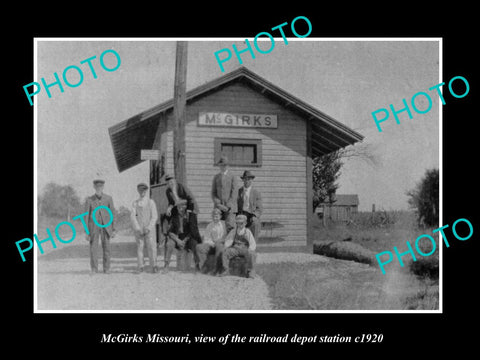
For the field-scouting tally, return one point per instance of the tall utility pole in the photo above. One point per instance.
(179, 113)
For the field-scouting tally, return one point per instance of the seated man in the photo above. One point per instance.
(239, 242)
(213, 239)
(182, 234)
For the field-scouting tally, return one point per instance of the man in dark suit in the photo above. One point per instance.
(183, 233)
(176, 192)
(224, 193)
(250, 204)
(100, 224)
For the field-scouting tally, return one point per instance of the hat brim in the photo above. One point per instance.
(247, 177)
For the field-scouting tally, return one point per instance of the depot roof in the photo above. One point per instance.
(138, 132)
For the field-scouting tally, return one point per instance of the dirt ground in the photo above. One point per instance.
(64, 281)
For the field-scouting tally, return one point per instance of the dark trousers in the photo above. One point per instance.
(190, 245)
(235, 251)
(204, 249)
(94, 245)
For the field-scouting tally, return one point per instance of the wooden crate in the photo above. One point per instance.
(238, 266)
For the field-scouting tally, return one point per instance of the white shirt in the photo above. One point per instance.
(215, 232)
(143, 202)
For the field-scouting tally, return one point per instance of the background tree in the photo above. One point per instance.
(424, 198)
(122, 218)
(59, 201)
(326, 171)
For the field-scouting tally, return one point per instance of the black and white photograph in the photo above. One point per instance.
(256, 182)
(180, 182)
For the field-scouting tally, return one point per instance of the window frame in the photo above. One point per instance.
(217, 150)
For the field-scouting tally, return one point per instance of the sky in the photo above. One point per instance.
(347, 80)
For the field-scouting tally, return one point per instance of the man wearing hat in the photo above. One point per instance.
(250, 203)
(144, 217)
(224, 193)
(102, 217)
(239, 242)
(176, 192)
(183, 233)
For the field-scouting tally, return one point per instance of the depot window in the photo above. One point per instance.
(240, 152)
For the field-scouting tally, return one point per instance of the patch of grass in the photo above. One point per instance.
(320, 286)
(324, 286)
(426, 298)
(401, 227)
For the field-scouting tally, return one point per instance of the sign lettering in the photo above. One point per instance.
(237, 120)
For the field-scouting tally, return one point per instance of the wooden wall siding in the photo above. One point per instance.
(281, 178)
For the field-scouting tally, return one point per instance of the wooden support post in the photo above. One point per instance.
(179, 111)
(309, 175)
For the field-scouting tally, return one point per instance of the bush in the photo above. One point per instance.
(427, 266)
(122, 219)
(424, 199)
(59, 201)
(325, 171)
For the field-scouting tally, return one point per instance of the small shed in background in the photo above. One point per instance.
(342, 208)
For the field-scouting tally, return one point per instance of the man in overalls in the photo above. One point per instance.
(144, 217)
(239, 242)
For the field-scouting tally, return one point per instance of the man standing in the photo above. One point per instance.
(239, 242)
(144, 217)
(250, 204)
(102, 217)
(224, 193)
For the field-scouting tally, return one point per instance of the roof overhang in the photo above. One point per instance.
(138, 132)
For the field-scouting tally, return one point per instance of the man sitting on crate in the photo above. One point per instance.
(213, 239)
(239, 242)
(183, 233)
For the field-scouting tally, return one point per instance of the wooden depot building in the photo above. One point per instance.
(260, 127)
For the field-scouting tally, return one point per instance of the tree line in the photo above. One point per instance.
(423, 198)
(62, 201)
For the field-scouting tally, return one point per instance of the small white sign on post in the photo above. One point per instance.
(150, 154)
